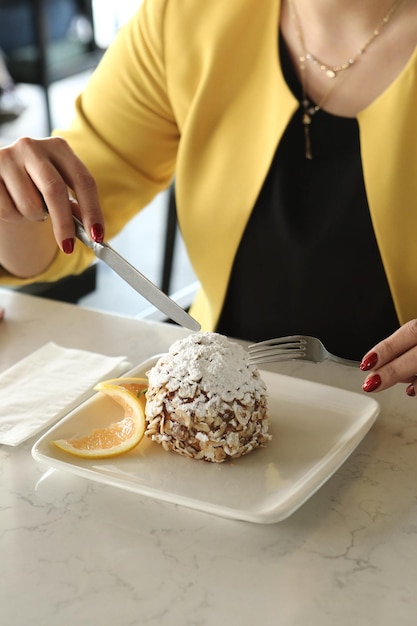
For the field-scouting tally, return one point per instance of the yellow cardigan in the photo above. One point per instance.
(196, 88)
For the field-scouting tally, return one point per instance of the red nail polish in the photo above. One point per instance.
(97, 232)
(369, 362)
(372, 383)
(410, 391)
(68, 245)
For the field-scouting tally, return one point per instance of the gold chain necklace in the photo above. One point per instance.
(331, 71)
(309, 108)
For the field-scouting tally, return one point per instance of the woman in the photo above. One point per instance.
(291, 131)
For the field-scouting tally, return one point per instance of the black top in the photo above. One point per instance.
(308, 262)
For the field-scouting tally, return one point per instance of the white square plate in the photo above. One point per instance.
(314, 429)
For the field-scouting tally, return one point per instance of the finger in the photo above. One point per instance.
(76, 176)
(397, 344)
(87, 202)
(13, 210)
(40, 171)
(399, 370)
(1, 313)
(22, 196)
(29, 203)
(55, 196)
(19, 196)
(8, 210)
(395, 360)
(411, 390)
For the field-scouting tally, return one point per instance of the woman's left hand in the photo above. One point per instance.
(393, 360)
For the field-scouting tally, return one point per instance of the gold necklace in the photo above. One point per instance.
(331, 71)
(309, 108)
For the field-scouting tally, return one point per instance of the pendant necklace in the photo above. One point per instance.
(331, 71)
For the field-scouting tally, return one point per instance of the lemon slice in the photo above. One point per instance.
(121, 436)
(136, 386)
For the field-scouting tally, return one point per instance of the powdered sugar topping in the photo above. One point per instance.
(209, 361)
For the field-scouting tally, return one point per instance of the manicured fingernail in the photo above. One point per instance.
(372, 383)
(97, 232)
(410, 391)
(68, 246)
(369, 362)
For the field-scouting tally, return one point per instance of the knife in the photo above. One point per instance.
(135, 279)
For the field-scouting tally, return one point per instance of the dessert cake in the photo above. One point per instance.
(205, 401)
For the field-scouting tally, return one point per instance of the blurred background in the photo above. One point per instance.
(50, 49)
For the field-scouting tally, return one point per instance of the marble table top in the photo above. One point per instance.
(78, 552)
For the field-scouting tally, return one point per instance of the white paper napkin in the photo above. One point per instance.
(44, 386)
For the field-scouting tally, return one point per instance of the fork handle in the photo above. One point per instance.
(339, 359)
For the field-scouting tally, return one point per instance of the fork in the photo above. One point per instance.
(293, 347)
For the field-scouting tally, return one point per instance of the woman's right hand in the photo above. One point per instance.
(35, 178)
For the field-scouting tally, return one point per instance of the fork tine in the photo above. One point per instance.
(257, 350)
(278, 349)
(275, 357)
(280, 342)
(293, 347)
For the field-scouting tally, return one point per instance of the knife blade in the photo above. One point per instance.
(135, 279)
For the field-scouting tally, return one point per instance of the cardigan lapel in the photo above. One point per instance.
(230, 145)
(388, 130)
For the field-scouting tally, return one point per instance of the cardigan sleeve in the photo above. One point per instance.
(123, 130)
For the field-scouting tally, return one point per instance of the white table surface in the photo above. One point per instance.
(73, 551)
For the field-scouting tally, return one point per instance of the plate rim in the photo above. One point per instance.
(262, 515)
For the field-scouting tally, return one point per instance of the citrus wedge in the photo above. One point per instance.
(136, 386)
(120, 436)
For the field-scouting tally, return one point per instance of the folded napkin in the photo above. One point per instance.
(44, 386)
